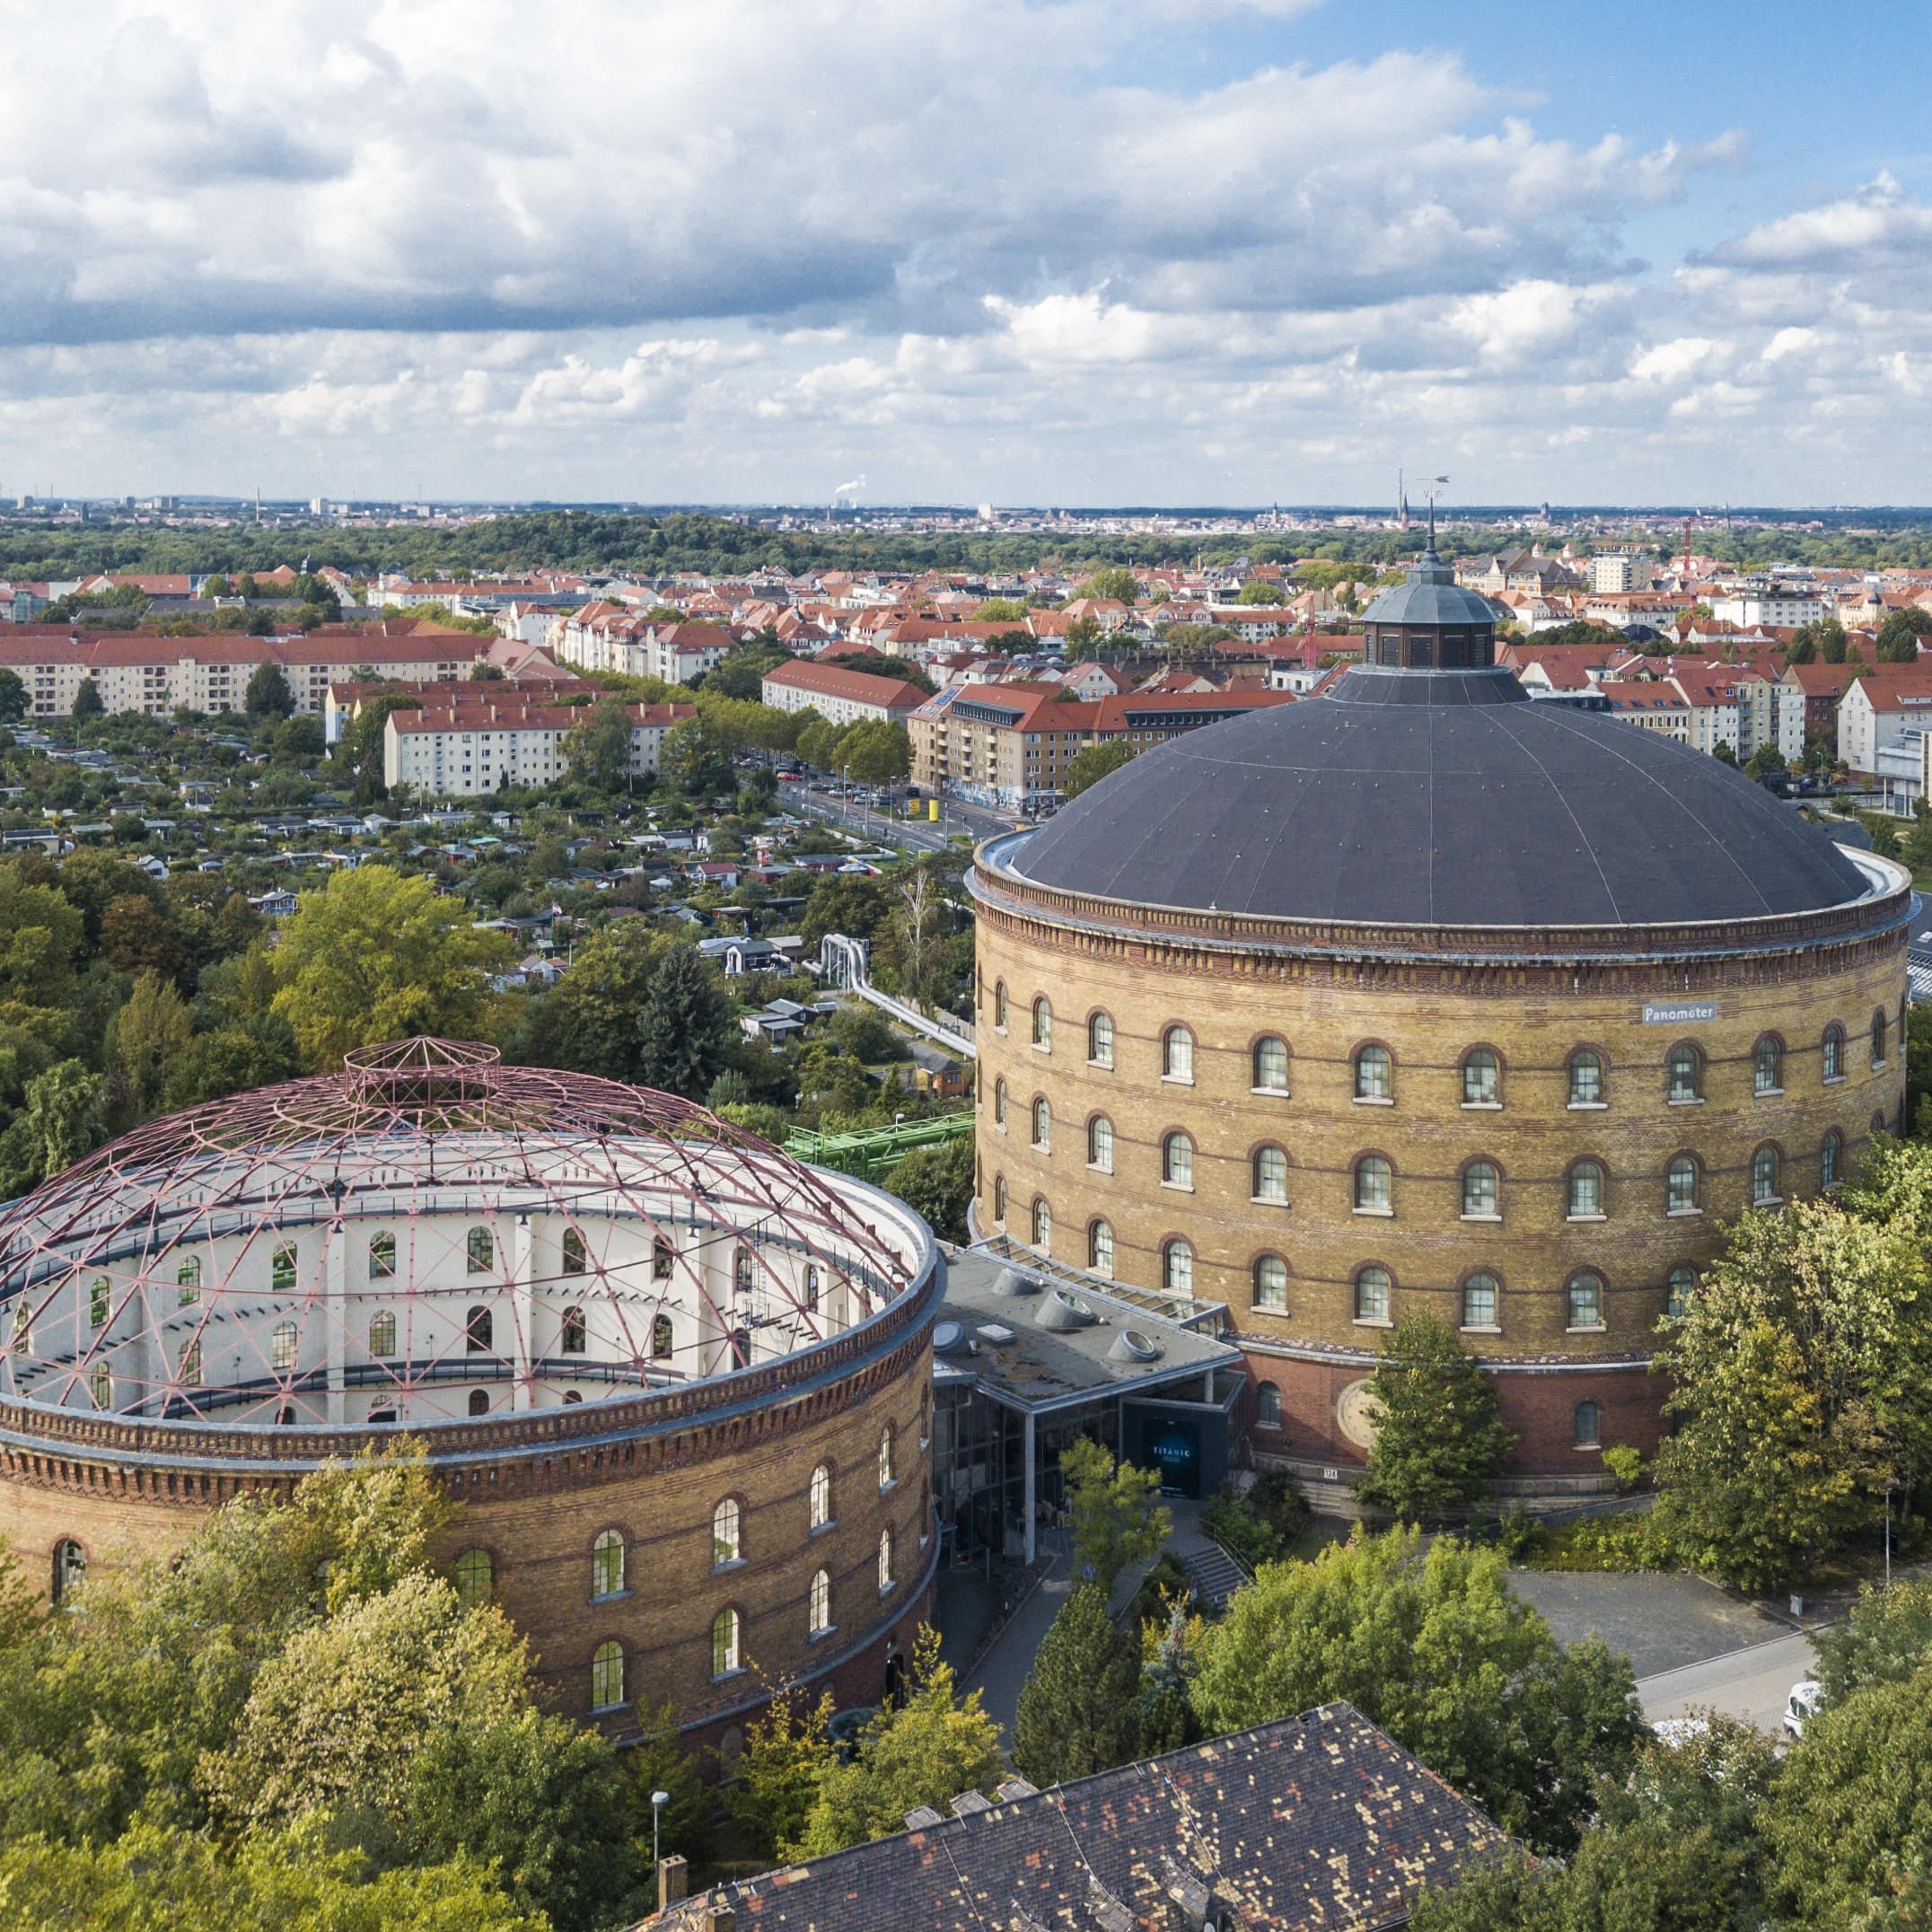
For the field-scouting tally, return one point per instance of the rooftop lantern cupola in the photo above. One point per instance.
(1428, 621)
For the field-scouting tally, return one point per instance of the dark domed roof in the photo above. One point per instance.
(1429, 594)
(1444, 797)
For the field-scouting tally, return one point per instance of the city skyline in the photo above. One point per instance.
(1101, 252)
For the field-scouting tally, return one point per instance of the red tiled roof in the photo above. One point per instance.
(856, 687)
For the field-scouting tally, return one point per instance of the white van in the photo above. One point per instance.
(1805, 1702)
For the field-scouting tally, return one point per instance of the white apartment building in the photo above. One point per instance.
(614, 637)
(839, 696)
(1618, 575)
(1783, 608)
(472, 746)
(1879, 710)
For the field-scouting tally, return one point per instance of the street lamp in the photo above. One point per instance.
(659, 1799)
(1888, 1532)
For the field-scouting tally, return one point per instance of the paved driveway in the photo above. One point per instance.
(1660, 1623)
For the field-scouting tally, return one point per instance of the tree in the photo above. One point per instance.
(1797, 1378)
(231, 1059)
(1083, 637)
(1092, 763)
(1078, 1711)
(14, 702)
(268, 695)
(1899, 635)
(818, 743)
(1725, 752)
(925, 1753)
(694, 759)
(590, 1022)
(87, 701)
(136, 936)
(1114, 582)
(1887, 1639)
(1262, 591)
(1001, 611)
(1437, 1651)
(1440, 1442)
(921, 922)
(1118, 1518)
(597, 748)
(42, 933)
(787, 1751)
(876, 751)
(58, 1121)
(937, 1182)
(374, 956)
(151, 1032)
(684, 1031)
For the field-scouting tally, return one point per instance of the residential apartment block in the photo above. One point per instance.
(839, 696)
(1009, 745)
(615, 637)
(462, 745)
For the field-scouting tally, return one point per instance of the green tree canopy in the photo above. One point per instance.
(375, 956)
(597, 747)
(1263, 591)
(875, 751)
(1079, 1709)
(1440, 1653)
(1440, 1441)
(1114, 581)
(1092, 763)
(1118, 1516)
(1899, 635)
(937, 1182)
(684, 1031)
(87, 701)
(268, 695)
(14, 702)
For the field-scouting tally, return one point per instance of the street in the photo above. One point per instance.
(1750, 1683)
(823, 802)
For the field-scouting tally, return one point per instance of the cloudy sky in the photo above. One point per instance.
(1080, 252)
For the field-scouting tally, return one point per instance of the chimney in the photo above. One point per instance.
(672, 1877)
(723, 1917)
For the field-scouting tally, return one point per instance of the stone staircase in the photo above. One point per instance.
(1215, 1575)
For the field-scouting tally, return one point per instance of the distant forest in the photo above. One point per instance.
(656, 544)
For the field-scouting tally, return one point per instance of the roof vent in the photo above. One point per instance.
(995, 1332)
(1011, 1281)
(969, 1801)
(1132, 1345)
(1062, 1312)
(1017, 1787)
(922, 1818)
(947, 1337)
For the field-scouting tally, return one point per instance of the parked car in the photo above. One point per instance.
(1806, 1701)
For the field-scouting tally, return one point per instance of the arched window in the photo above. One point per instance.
(282, 1266)
(1042, 1124)
(1043, 1224)
(576, 1337)
(1684, 1081)
(101, 1385)
(662, 1339)
(1832, 1160)
(1099, 1143)
(1768, 1066)
(1478, 1302)
(607, 1675)
(70, 1568)
(1270, 1065)
(1374, 1074)
(1271, 1176)
(745, 1271)
(1679, 1289)
(480, 1329)
(821, 1604)
(1374, 1185)
(282, 1346)
(821, 1497)
(572, 1395)
(1584, 1427)
(1878, 1040)
(382, 1256)
(812, 1287)
(1373, 1295)
(1177, 1054)
(1177, 1268)
(1831, 1055)
(664, 1259)
(1681, 1187)
(999, 1005)
(480, 1401)
(1481, 1191)
(188, 1280)
(741, 1347)
(1585, 1191)
(607, 1563)
(475, 1576)
(1764, 1176)
(1585, 1078)
(98, 1299)
(1043, 1024)
(999, 1102)
(383, 1333)
(284, 1416)
(1482, 1078)
(999, 1198)
(1100, 1248)
(1177, 1160)
(886, 1477)
(1271, 1283)
(1100, 1039)
(479, 1249)
(1268, 1407)
(574, 1257)
(725, 1643)
(1586, 1301)
(885, 1561)
(725, 1545)
(190, 1374)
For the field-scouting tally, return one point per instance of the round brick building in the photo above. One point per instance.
(681, 1384)
(1423, 994)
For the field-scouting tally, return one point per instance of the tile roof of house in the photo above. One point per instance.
(1895, 687)
(512, 714)
(1320, 1821)
(856, 687)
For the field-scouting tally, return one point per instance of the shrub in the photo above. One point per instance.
(1624, 1466)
